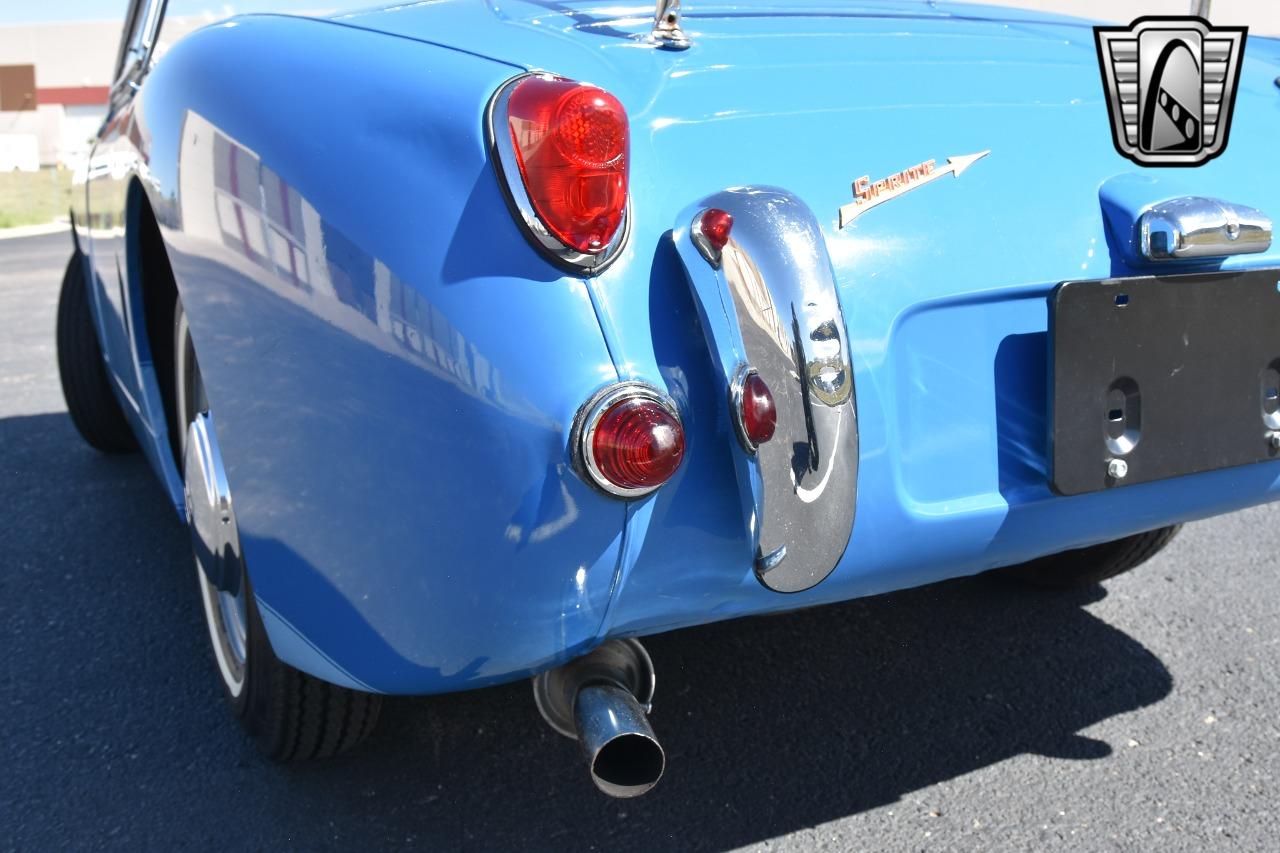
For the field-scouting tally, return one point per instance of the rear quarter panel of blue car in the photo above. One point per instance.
(390, 368)
(394, 370)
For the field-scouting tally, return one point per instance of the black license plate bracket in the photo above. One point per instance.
(1168, 375)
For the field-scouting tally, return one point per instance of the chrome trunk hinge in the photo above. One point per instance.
(666, 26)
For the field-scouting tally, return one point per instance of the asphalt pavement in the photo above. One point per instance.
(971, 715)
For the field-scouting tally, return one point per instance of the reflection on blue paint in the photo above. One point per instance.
(395, 369)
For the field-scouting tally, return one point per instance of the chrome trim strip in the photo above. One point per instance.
(1196, 227)
(587, 420)
(535, 230)
(779, 312)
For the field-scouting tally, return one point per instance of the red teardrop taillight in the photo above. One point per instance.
(569, 145)
(630, 439)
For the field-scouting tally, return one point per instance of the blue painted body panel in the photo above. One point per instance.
(395, 370)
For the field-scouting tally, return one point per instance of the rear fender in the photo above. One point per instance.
(394, 370)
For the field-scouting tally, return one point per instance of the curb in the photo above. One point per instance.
(35, 230)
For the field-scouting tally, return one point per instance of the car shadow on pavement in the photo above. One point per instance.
(116, 732)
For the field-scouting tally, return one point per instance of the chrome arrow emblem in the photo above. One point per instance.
(867, 195)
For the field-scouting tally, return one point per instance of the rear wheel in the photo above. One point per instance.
(90, 399)
(291, 715)
(1088, 566)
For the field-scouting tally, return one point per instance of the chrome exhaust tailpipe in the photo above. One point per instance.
(625, 758)
(601, 700)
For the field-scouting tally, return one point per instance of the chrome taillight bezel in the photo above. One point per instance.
(497, 121)
(585, 423)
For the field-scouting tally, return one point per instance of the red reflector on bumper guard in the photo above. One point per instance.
(755, 415)
(759, 416)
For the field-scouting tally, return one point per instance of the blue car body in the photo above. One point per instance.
(395, 370)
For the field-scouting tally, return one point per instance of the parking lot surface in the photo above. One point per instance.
(973, 715)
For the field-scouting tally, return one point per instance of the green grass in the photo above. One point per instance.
(34, 198)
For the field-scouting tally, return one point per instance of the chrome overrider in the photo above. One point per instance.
(1192, 227)
(787, 325)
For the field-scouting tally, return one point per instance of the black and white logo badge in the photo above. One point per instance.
(1170, 85)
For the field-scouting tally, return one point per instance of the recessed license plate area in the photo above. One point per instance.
(1161, 376)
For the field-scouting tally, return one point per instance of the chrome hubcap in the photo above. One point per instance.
(231, 611)
(211, 518)
(216, 543)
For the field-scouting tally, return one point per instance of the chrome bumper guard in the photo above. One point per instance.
(768, 301)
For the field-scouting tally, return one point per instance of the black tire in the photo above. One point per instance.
(1088, 566)
(92, 403)
(291, 716)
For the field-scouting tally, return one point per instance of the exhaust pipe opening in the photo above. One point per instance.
(601, 700)
(629, 765)
(624, 755)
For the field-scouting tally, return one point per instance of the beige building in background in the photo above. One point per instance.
(54, 83)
